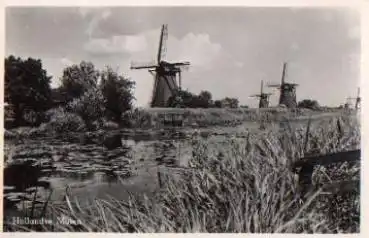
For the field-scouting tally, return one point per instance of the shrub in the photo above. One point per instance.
(62, 121)
(90, 107)
(31, 117)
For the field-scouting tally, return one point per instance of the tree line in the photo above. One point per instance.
(86, 93)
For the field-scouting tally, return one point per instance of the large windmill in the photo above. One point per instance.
(357, 99)
(288, 91)
(264, 97)
(165, 74)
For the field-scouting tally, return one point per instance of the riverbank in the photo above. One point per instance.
(231, 186)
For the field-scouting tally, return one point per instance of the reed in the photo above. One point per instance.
(238, 185)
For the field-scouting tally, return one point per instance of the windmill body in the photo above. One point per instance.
(263, 97)
(165, 74)
(287, 91)
(165, 84)
(357, 100)
(288, 95)
(264, 101)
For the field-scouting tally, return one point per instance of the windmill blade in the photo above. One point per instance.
(162, 43)
(179, 80)
(147, 65)
(292, 84)
(274, 85)
(181, 63)
(283, 80)
(255, 95)
(154, 89)
(261, 87)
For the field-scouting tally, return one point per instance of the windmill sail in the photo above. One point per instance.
(162, 43)
(165, 73)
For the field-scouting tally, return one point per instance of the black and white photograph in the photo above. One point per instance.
(182, 119)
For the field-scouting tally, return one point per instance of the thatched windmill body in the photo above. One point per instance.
(165, 74)
(357, 99)
(263, 97)
(287, 91)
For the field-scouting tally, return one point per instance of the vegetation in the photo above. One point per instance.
(85, 92)
(185, 99)
(308, 103)
(241, 184)
(27, 88)
(77, 79)
(118, 93)
(244, 185)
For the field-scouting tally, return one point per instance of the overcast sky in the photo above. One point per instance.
(230, 49)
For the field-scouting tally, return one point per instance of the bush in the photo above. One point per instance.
(63, 121)
(118, 94)
(90, 107)
(31, 117)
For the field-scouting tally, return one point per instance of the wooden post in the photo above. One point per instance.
(160, 179)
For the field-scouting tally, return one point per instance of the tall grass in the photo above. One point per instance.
(240, 185)
(148, 118)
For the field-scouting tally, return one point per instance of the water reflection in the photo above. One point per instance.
(56, 163)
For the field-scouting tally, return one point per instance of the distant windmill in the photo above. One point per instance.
(357, 99)
(288, 91)
(264, 97)
(165, 74)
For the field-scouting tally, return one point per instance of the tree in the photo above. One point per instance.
(78, 79)
(90, 107)
(182, 99)
(118, 93)
(230, 102)
(218, 103)
(308, 103)
(27, 87)
(204, 99)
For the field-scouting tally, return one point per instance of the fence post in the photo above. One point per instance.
(160, 178)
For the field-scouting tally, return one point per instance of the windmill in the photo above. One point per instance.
(288, 91)
(357, 99)
(264, 97)
(165, 73)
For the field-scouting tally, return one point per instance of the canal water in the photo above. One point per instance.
(39, 167)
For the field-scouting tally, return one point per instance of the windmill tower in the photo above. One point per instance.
(165, 74)
(264, 97)
(288, 91)
(357, 99)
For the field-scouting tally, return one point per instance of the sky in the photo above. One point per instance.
(231, 49)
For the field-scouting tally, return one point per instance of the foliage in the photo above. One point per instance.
(205, 99)
(31, 117)
(236, 185)
(308, 103)
(186, 99)
(118, 94)
(27, 86)
(77, 79)
(218, 103)
(90, 107)
(182, 99)
(62, 121)
(230, 102)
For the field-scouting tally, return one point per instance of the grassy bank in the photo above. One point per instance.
(238, 185)
(153, 117)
